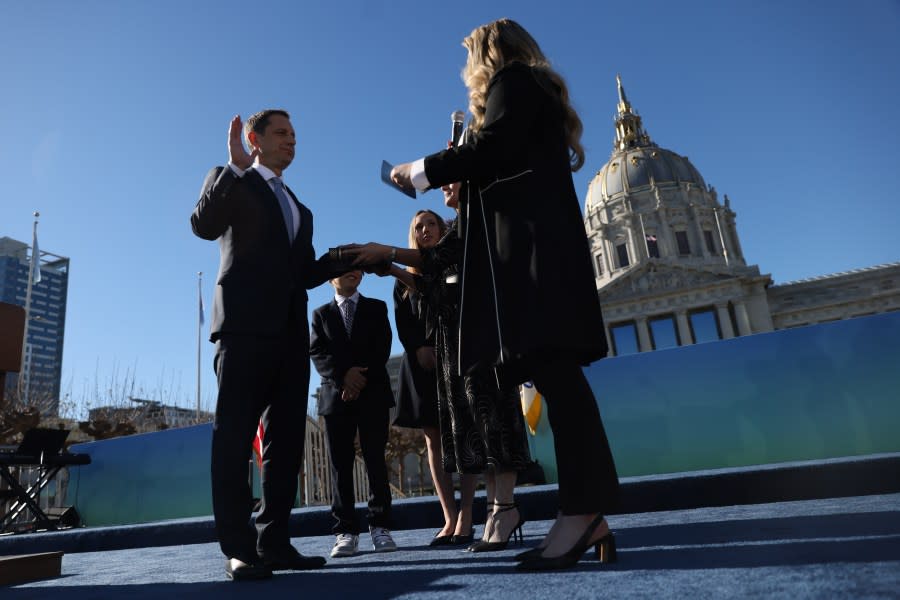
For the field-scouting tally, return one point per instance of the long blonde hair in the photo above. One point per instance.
(497, 44)
(413, 243)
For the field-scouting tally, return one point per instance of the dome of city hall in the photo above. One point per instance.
(637, 163)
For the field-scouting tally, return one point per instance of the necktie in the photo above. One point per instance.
(347, 313)
(285, 202)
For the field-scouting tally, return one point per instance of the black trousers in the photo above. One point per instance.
(372, 424)
(588, 482)
(259, 378)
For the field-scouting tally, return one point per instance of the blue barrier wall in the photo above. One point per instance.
(144, 477)
(824, 391)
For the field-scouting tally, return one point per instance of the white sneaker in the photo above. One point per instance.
(345, 544)
(382, 540)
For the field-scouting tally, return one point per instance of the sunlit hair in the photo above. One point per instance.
(259, 121)
(497, 44)
(413, 243)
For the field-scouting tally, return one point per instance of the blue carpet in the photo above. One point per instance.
(833, 478)
(831, 548)
(822, 529)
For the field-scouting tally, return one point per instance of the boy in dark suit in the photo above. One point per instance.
(350, 343)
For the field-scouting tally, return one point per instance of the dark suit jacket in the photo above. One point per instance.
(333, 353)
(262, 278)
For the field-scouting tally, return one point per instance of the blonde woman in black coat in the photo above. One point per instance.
(529, 305)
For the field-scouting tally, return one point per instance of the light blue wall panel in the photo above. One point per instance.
(823, 391)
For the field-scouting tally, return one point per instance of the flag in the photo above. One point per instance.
(202, 318)
(531, 406)
(35, 260)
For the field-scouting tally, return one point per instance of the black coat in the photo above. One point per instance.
(528, 286)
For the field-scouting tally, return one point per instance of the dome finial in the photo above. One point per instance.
(629, 131)
(624, 105)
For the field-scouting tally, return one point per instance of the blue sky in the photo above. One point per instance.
(114, 111)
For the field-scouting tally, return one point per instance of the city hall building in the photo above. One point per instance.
(669, 265)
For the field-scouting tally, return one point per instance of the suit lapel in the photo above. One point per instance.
(336, 319)
(305, 217)
(274, 206)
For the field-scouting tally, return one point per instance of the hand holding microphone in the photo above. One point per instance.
(400, 175)
(457, 118)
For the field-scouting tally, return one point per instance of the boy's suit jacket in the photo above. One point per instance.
(333, 353)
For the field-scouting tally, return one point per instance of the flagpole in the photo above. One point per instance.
(644, 233)
(35, 263)
(199, 330)
(721, 237)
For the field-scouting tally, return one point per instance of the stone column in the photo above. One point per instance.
(743, 319)
(608, 257)
(735, 240)
(684, 328)
(724, 321)
(699, 230)
(640, 245)
(667, 246)
(645, 343)
(634, 253)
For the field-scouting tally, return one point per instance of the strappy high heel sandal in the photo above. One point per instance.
(605, 549)
(516, 531)
(486, 532)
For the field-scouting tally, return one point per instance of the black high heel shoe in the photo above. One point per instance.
(605, 548)
(528, 554)
(483, 546)
(458, 540)
(441, 540)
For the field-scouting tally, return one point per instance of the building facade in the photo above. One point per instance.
(150, 415)
(42, 363)
(668, 260)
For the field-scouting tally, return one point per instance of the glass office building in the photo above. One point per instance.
(42, 364)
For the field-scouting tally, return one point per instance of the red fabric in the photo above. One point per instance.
(258, 443)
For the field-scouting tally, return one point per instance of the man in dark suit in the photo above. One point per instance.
(259, 326)
(350, 344)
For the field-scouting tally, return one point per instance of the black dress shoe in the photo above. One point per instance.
(236, 569)
(291, 560)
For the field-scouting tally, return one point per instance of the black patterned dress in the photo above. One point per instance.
(480, 424)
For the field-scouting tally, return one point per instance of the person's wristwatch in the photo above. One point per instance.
(393, 253)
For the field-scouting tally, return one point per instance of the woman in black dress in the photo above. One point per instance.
(528, 303)
(417, 401)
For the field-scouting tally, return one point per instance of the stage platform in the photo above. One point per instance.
(821, 529)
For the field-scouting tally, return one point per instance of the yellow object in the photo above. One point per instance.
(531, 405)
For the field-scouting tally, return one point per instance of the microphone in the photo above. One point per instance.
(457, 118)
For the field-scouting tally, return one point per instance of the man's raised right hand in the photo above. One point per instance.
(237, 154)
